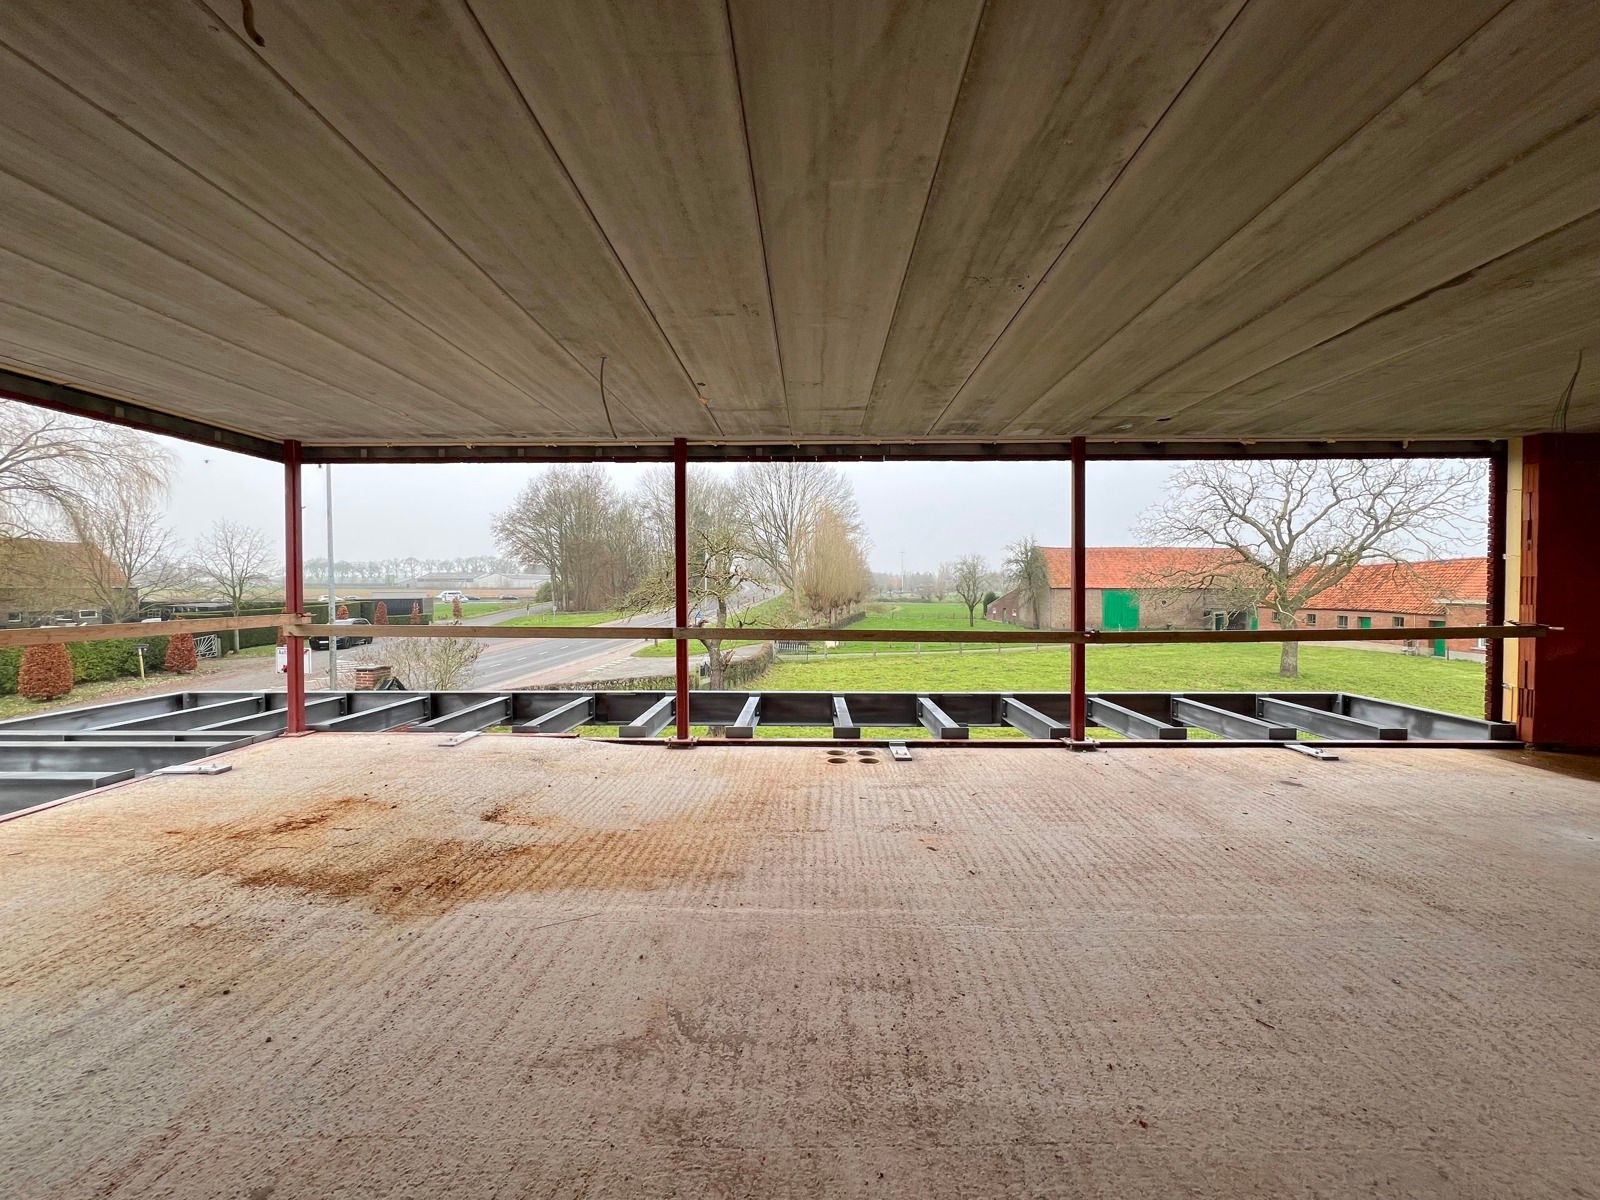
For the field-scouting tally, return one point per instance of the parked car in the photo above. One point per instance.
(345, 639)
(510, 597)
(447, 596)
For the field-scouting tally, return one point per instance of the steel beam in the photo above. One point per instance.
(1426, 722)
(654, 719)
(1226, 723)
(749, 717)
(843, 726)
(1080, 594)
(680, 580)
(1108, 714)
(937, 722)
(408, 711)
(83, 403)
(24, 789)
(564, 717)
(495, 710)
(99, 756)
(294, 587)
(1030, 721)
(1324, 723)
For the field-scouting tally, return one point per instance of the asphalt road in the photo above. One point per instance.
(505, 663)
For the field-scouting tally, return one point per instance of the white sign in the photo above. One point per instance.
(283, 659)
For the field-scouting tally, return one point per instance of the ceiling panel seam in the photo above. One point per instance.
(755, 199)
(1089, 216)
(1265, 207)
(1245, 226)
(266, 220)
(415, 207)
(1371, 363)
(577, 192)
(57, 319)
(1356, 256)
(188, 264)
(183, 326)
(922, 217)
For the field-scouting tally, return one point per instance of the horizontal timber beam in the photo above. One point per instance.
(1029, 637)
(51, 635)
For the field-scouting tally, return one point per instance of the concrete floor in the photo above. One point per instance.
(367, 965)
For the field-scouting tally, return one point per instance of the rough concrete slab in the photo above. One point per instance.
(367, 965)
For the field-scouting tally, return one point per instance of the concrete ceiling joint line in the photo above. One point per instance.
(1460, 277)
(180, 323)
(1088, 217)
(1369, 364)
(427, 219)
(922, 217)
(1245, 225)
(755, 199)
(266, 220)
(555, 154)
(188, 264)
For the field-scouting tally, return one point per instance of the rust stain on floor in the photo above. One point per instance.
(411, 863)
(368, 965)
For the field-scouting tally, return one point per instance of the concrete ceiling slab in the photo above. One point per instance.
(594, 223)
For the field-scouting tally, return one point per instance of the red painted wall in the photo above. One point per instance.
(1558, 702)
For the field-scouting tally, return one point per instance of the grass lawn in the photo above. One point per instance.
(1452, 686)
(567, 619)
(773, 613)
(471, 608)
(941, 615)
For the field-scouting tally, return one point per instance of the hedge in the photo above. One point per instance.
(92, 662)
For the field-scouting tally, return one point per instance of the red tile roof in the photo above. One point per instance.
(1134, 566)
(1408, 587)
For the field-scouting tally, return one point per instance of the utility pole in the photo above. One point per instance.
(333, 600)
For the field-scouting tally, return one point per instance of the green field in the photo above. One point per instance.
(1452, 686)
(472, 608)
(567, 619)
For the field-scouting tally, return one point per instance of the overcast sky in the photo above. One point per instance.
(931, 512)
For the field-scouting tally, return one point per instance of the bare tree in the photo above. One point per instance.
(130, 548)
(232, 560)
(969, 576)
(565, 519)
(783, 502)
(429, 664)
(51, 464)
(722, 568)
(1295, 527)
(1026, 569)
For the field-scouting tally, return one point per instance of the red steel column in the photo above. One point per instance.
(1494, 670)
(294, 588)
(680, 569)
(1080, 598)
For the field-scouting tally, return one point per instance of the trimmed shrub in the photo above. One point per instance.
(455, 609)
(343, 611)
(181, 655)
(380, 614)
(46, 672)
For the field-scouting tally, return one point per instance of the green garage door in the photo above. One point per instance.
(1119, 608)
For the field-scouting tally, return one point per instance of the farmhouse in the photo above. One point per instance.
(1135, 587)
(1405, 595)
(43, 581)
